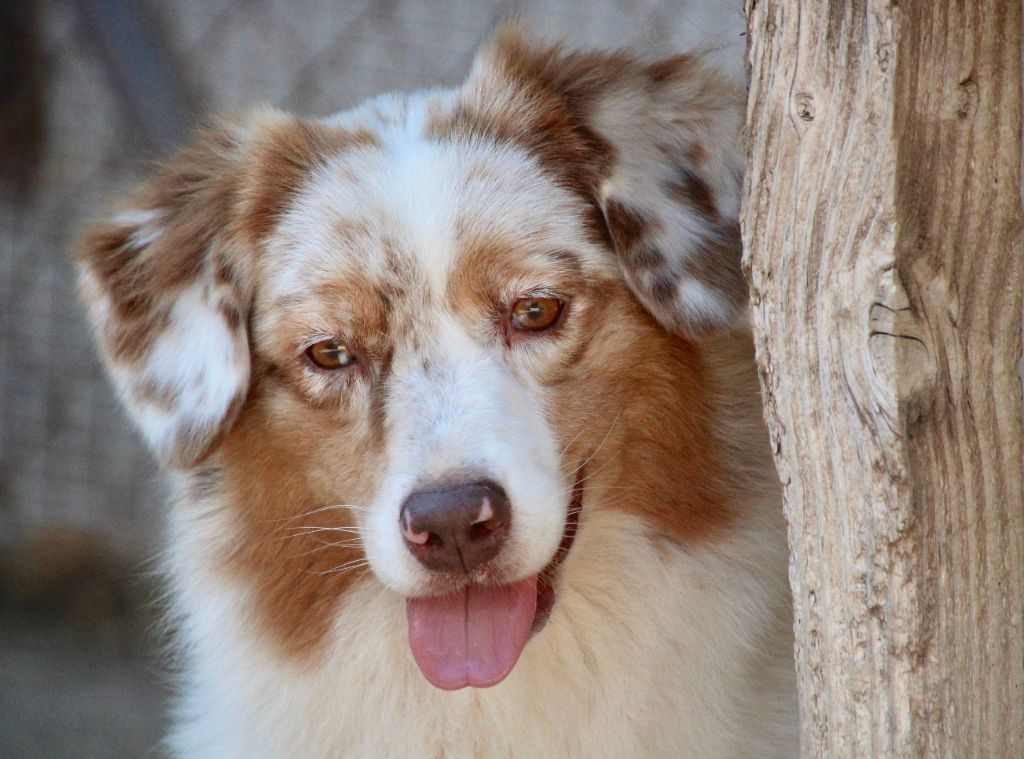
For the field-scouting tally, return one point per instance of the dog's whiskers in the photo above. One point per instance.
(593, 473)
(348, 566)
(297, 530)
(295, 533)
(321, 509)
(601, 444)
(324, 545)
(598, 470)
(567, 445)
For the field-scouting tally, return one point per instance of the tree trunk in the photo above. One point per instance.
(883, 234)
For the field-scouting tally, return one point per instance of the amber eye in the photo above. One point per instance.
(330, 354)
(536, 314)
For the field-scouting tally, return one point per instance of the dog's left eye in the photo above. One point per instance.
(330, 354)
(536, 314)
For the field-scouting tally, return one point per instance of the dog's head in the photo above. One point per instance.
(426, 332)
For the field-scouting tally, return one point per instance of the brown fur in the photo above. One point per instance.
(540, 104)
(713, 263)
(219, 184)
(161, 396)
(690, 190)
(669, 70)
(627, 381)
(628, 226)
(278, 468)
(544, 99)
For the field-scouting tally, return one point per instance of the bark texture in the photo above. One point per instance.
(883, 236)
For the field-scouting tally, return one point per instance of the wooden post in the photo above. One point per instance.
(882, 230)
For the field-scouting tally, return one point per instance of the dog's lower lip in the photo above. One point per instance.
(546, 579)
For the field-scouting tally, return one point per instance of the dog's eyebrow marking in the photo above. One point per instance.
(566, 260)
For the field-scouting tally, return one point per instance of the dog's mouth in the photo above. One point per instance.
(474, 637)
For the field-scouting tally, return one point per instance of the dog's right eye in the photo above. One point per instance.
(536, 314)
(330, 354)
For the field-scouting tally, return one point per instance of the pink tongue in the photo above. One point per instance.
(473, 637)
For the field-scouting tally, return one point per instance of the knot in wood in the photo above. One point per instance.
(902, 355)
(967, 98)
(804, 102)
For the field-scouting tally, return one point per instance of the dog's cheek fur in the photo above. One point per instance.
(611, 409)
(291, 484)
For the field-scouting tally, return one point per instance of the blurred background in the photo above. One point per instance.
(91, 92)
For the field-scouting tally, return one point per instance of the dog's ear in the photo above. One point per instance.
(168, 290)
(168, 282)
(658, 144)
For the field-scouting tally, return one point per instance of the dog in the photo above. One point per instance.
(461, 419)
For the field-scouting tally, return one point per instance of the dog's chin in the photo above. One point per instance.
(471, 629)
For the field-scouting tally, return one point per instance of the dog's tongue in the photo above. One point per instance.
(473, 637)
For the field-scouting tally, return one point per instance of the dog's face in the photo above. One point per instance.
(434, 335)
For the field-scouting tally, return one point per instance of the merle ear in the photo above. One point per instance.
(664, 138)
(672, 199)
(168, 295)
(168, 282)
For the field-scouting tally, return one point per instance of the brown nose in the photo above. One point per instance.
(457, 528)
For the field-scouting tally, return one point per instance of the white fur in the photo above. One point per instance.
(653, 137)
(146, 226)
(704, 303)
(201, 361)
(416, 189)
